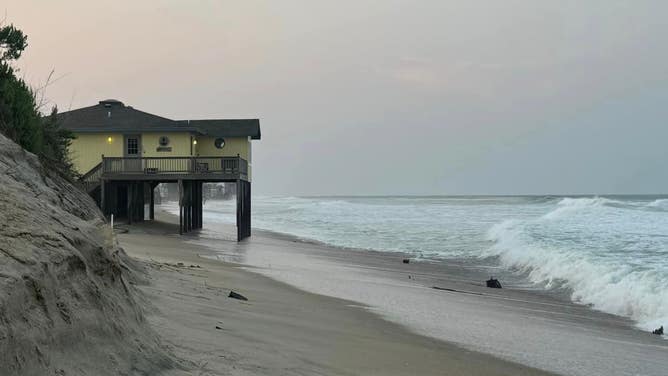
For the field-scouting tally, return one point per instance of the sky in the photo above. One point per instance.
(384, 97)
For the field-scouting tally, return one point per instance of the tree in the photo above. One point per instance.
(20, 117)
(12, 43)
(55, 144)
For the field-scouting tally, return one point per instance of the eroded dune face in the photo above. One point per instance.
(67, 301)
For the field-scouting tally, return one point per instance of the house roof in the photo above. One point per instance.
(113, 116)
(227, 127)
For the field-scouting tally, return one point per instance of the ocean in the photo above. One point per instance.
(610, 253)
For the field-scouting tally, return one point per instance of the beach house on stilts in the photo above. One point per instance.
(124, 153)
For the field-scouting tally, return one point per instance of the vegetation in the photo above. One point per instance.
(20, 116)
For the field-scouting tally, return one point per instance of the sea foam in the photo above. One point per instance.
(607, 252)
(600, 249)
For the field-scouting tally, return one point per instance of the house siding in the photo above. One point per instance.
(234, 146)
(87, 149)
(178, 141)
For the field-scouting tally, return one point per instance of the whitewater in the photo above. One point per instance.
(610, 253)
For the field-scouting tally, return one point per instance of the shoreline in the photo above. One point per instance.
(525, 326)
(488, 266)
(281, 329)
(478, 272)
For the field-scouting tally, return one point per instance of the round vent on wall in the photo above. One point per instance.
(219, 143)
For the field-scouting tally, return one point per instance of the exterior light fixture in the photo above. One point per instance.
(109, 140)
(194, 142)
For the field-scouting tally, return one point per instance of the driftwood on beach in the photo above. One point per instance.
(235, 295)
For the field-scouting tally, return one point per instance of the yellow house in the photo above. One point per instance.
(122, 153)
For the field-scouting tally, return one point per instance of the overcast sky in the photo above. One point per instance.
(384, 97)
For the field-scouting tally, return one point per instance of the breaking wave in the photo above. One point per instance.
(607, 252)
(612, 255)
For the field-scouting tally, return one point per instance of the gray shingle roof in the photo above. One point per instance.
(227, 127)
(113, 116)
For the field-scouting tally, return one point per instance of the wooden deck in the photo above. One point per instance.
(127, 184)
(174, 168)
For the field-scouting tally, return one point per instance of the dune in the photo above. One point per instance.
(68, 302)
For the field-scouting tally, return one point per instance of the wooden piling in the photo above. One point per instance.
(180, 185)
(243, 210)
(103, 199)
(151, 213)
(129, 204)
(201, 204)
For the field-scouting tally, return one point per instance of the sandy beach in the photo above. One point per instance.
(280, 330)
(365, 312)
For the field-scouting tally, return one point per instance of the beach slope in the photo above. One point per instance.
(67, 301)
(280, 330)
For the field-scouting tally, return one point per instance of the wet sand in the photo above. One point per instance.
(524, 326)
(281, 330)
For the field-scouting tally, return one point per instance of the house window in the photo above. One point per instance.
(164, 141)
(133, 146)
(219, 143)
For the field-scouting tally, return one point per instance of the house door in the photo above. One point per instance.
(132, 153)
